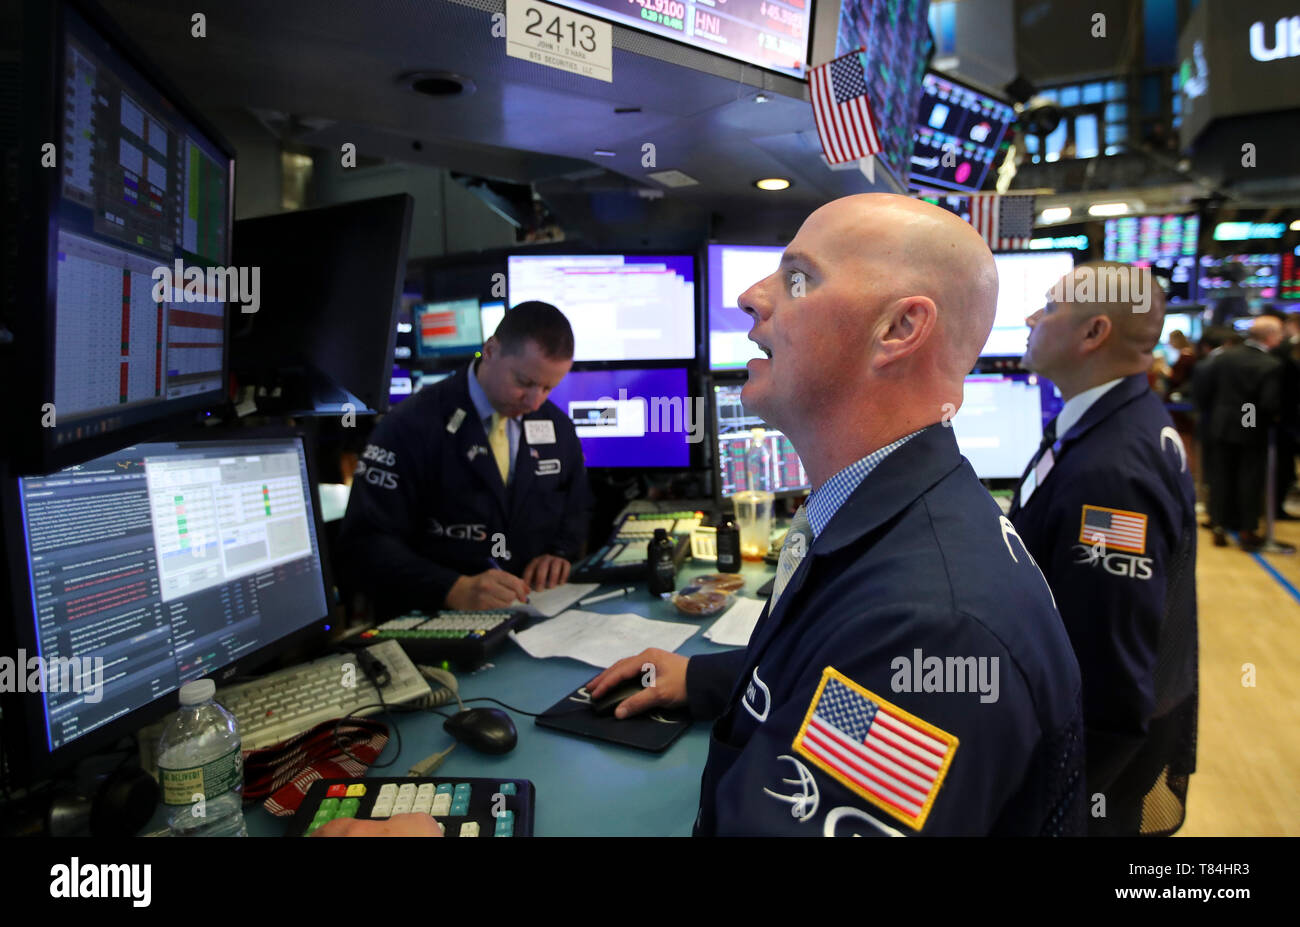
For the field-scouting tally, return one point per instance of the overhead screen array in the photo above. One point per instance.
(141, 188)
(770, 34)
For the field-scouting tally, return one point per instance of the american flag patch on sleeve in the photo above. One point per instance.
(881, 753)
(1114, 528)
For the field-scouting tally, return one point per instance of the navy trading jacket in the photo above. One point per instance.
(914, 677)
(1113, 525)
(428, 506)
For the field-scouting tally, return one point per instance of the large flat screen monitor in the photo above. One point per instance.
(153, 566)
(732, 270)
(332, 281)
(1000, 423)
(1255, 276)
(784, 473)
(771, 34)
(1024, 277)
(623, 307)
(633, 418)
(959, 132)
(121, 266)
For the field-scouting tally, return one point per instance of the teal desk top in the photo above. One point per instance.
(584, 787)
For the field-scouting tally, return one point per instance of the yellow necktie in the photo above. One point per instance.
(500, 445)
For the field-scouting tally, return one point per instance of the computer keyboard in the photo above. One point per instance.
(465, 807)
(286, 703)
(464, 638)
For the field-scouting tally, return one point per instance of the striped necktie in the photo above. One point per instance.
(797, 541)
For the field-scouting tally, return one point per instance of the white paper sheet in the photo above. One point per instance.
(736, 624)
(548, 603)
(600, 639)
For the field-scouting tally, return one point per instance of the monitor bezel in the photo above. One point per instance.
(23, 734)
(32, 371)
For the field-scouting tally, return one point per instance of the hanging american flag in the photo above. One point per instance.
(842, 110)
(887, 756)
(1004, 222)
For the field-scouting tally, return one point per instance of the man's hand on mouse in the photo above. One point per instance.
(546, 571)
(669, 687)
(486, 590)
(399, 825)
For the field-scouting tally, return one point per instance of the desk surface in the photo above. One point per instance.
(584, 787)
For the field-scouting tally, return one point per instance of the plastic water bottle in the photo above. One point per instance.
(200, 767)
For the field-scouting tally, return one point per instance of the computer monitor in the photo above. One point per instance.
(490, 316)
(1151, 238)
(958, 135)
(1257, 275)
(448, 329)
(732, 270)
(1024, 277)
(167, 562)
(785, 474)
(109, 344)
(1000, 423)
(643, 418)
(332, 281)
(623, 307)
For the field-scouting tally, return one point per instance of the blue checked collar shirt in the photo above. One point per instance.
(827, 499)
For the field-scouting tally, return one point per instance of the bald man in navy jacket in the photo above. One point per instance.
(911, 674)
(1108, 509)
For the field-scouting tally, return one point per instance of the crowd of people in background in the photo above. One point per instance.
(1230, 394)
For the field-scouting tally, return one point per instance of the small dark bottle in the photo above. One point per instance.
(660, 569)
(728, 545)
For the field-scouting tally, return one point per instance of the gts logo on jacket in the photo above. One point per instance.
(457, 532)
(375, 476)
(1115, 564)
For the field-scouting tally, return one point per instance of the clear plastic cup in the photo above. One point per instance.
(754, 519)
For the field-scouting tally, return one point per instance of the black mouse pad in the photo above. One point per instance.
(653, 731)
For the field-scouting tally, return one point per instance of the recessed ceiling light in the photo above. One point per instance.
(772, 183)
(1295, 226)
(760, 98)
(603, 153)
(1055, 214)
(1108, 209)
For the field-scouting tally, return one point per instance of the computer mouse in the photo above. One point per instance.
(605, 705)
(488, 730)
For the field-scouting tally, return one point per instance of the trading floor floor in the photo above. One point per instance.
(1247, 780)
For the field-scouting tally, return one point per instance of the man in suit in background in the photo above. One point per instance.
(1240, 394)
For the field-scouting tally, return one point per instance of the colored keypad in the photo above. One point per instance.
(382, 799)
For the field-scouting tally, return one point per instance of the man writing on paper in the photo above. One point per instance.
(474, 490)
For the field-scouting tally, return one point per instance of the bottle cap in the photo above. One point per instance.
(198, 691)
